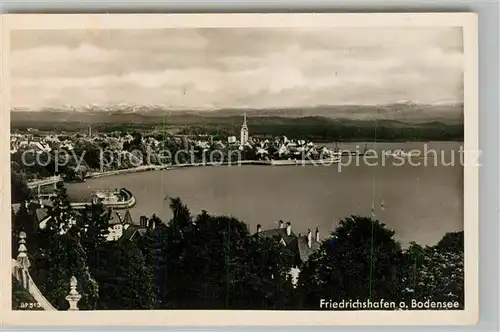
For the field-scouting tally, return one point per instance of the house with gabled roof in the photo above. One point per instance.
(119, 225)
(123, 228)
(301, 246)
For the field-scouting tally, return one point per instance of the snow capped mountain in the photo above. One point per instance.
(122, 107)
(403, 110)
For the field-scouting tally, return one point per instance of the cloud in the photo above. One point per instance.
(206, 68)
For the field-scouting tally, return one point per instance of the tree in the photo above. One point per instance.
(62, 215)
(267, 283)
(90, 152)
(212, 262)
(74, 172)
(58, 258)
(249, 153)
(20, 191)
(181, 219)
(60, 255)
(123, 278)
(93, 227)
(453, 241)
(178, 241)
(154, 245)
(435, 273)
(29, 163)
(361, 261)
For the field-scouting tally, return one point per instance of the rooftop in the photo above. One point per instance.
(297, 243)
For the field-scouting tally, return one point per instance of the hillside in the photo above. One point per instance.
(122, 113)
(404, 121)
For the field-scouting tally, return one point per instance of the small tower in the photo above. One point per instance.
(73, 296)
(144, 222)
(244, 131)
(309, 238)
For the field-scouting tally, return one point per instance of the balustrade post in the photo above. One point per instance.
(73, 296)
(22, 259)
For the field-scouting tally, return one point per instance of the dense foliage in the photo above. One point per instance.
(124, 282)
(213, 262)
(21, 298)
(55, 262)
(360, 261)
(20, 191)
(321, 129)
(60, 255)
(436, 273)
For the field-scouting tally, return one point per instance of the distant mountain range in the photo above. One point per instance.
(408, 112)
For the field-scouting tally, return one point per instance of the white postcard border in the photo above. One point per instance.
(468, 21)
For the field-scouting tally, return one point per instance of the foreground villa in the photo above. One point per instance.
(301, 246)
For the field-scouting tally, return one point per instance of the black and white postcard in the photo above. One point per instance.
(239, 169)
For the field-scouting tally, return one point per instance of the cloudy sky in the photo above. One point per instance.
(252, 67)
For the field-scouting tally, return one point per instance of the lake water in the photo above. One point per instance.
(421, 203)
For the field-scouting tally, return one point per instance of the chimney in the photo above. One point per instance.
(309, 238)
(288, 228)
(259, 228)
(317, 234)
(144, 221)
(280, 224)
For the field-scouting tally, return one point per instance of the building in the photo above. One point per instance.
(41, 214)
(244, 131)
(36, 145)
(120, 227)
(301, 246)
(38, 212)
(117, 227)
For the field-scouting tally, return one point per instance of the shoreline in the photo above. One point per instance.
(138, 169)
(149, 168)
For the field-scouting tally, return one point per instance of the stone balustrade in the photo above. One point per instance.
(20, 271)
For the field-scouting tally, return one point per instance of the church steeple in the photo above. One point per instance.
(244, 120)
(244, 130)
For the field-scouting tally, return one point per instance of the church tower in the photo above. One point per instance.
(244, 131)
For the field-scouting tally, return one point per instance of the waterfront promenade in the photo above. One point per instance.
(44, 182)
(146, 168)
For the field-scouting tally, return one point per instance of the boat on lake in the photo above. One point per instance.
(397, 153)
(300, 162)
